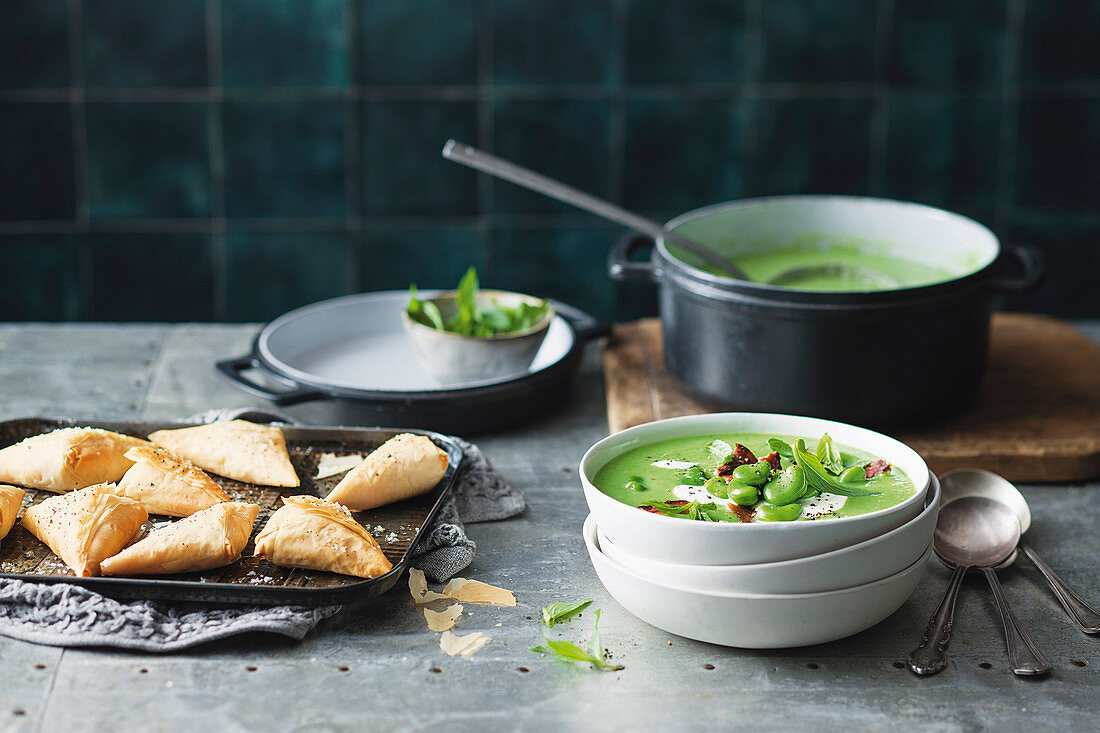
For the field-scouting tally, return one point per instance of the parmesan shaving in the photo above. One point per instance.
(443, 620)
(418, 587)
(466, 646)
(474, 591)
(332, 464)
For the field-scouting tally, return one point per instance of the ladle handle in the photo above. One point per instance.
(527, 178)
(931, 656)
(1025, 658)
(1085, 616)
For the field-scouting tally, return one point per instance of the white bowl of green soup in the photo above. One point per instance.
(739, 488)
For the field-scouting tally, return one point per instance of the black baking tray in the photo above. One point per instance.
(250, 580)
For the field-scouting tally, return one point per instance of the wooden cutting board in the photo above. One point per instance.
(1037, 417)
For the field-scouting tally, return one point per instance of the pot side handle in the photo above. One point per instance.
(234, 368)
(1030, 270)
(620, 266)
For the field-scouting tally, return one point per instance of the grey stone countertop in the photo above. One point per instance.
(377, 667)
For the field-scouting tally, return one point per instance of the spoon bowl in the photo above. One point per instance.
(979, 482)
(977, 532)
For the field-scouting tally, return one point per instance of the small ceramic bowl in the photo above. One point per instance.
(864, 562)
(754, 620)
(453, 359)
(674, 540)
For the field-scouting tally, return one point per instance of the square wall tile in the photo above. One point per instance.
(34, 44)
(1060, 40)
(36, 162)
(1071, 252)
(284, 158)
(432, 257)
(403, 171)
(1058, 159)
(148, 159)
(420, 42)
(705, 41)
(268, 274)
(151, 277)
(944, 150)
(135, 43)
(567, 263)
(681, 153)
(285, 43)
(560, 42)
(809, 146)
(43, 280)
(946, 44)
(563, 139)
(819, 40)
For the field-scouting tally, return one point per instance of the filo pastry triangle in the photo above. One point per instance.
(306, 532)
(208, 539)
(167, 484)
(87, 526)
(404, 466)
(11, 498)
(67, 459)
(236, 449)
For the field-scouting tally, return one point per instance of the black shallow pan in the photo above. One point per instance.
(347, 361)
(249, 580)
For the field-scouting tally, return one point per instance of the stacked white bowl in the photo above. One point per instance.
(762, 585)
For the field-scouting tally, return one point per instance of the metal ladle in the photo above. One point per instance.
(981, 533)
(979, 482)
(486, 163)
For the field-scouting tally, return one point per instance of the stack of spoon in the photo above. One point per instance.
(982, 519)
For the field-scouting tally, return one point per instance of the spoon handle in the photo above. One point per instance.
(1085, 616)
(527, 178)
(1025, 658)
(931, 656)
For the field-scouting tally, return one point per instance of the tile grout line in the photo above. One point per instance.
(216, 160)
(754, 20)
(1005, 183)
(353, 170)
(616, 123)
(879, 132)
(81, 204)
(486, 131)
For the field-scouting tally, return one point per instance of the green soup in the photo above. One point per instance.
(835, 267)
(674, 470)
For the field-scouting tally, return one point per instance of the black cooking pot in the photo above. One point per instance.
(885, 357)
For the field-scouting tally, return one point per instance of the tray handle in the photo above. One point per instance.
(585, 325)
(234, 369)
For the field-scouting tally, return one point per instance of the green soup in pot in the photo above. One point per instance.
(678, 469)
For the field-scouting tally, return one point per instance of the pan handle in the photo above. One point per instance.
(1031, 270)
(234, 368)
(621, 267)
(585, 326)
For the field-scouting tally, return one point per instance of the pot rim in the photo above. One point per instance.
(720, 284)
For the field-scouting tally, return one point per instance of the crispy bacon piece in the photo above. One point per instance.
(773, 460)
(677, 502)
(650, 509)
(741, 456)
(876, 467)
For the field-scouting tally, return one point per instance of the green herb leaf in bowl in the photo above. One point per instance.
(472, 319)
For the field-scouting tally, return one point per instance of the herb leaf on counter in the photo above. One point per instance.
(563, 611)
(567, 651)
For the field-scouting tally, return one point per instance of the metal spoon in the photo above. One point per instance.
(975, 532)
(494, 166)
(978, 482)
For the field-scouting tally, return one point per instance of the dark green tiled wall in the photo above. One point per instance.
(232, 159)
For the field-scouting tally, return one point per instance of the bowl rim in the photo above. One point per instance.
(921, 482)
(588, 532)
(931, 503)
(541, 325)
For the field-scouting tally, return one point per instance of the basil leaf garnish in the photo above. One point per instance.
(829, 455)
(819, 478)
(782, 448)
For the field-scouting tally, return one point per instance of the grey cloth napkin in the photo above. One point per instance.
(59, 614)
